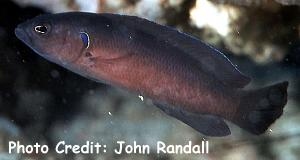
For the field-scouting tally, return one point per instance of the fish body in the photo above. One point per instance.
(184, 77)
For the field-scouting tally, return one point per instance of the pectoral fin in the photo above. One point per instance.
(208, 125)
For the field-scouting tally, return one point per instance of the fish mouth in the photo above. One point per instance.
(22, 35)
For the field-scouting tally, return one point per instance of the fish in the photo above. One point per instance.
(183, 76)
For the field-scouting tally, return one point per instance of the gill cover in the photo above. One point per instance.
(85, 39)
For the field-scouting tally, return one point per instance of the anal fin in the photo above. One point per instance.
(208, 125)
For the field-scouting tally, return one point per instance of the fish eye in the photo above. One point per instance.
(41, 29)
(85, 39)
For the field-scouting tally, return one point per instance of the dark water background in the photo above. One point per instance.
(42, 102)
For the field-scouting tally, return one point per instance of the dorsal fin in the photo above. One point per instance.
(211, 60)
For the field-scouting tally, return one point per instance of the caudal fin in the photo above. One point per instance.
(258, 109)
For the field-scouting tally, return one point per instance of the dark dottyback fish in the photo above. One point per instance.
(184, 77)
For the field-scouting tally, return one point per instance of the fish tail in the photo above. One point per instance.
(258, 109)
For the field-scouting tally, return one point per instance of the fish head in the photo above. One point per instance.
(52, 37)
